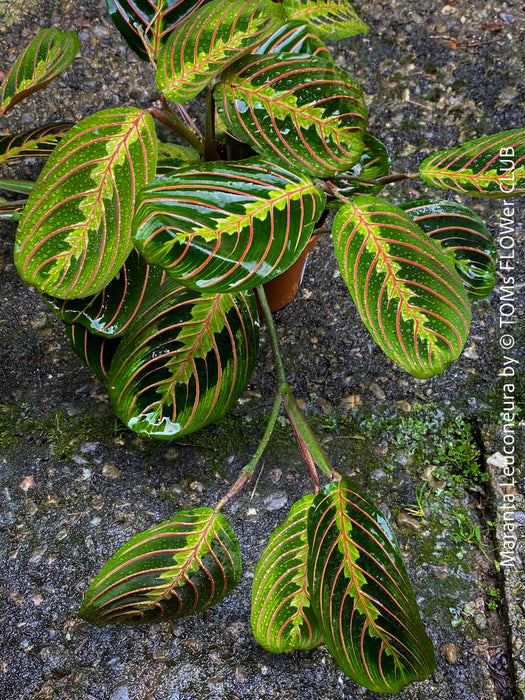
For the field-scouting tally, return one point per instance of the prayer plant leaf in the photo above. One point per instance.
(295, 37)
(75, 234)
(227, 226)
(178, 568)
(48, 55)
(405, 287)
(35, 143)
(208, 41)
(361, 594)
(463, 237)
(110, 312)
(331, 19)
(491, 166)
(373, 164)
(184, 360)
(96, 351)
(302, 109)
(173, 157)
(282, 617)
(149, 22)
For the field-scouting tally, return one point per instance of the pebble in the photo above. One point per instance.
(404, 406)
(407, 522)
(27, 483)
(376, 389)
(351, 401)
(111, 471)
(276, 501)
(450, 653)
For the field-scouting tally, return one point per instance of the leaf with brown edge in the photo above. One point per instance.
(491, 166)
(48, 55)
(405, 287)
(360, 592)
(282, 617)
(178, 568)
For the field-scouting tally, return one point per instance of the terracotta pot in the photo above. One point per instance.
(283, 289)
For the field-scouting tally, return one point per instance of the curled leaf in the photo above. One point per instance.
(464, 237)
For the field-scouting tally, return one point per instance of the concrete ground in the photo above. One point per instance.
(75, 485)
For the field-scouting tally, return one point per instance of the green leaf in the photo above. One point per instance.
(76, 231)
(208, 41)
(361, 594)
(304, 110)
(491, 166)
(465, 239)
(331, 19)
(159, 17)
(96, 351)
(295, 37)
(35, 143)
(172, 157)
(282, 617)
(110, 312)
(178, 568)
(405, 287)
(227, 226)
(184, 360)
(374, 164)
(48, 55)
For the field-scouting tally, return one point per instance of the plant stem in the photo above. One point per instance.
(246, 474)
(170, 119)
(210, 148)
(20, 186)
(306, 438)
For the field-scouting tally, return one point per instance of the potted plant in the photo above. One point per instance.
(154, 254)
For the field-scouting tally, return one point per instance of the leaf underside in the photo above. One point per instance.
(361, 594)
(282, 618)
(491, 166)
(304, 110)
(178, 568)
(227, 226)
(208, 41)
(75, 234)
(405, 287)
(184, 360)
(464, 237)
(46, 57)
